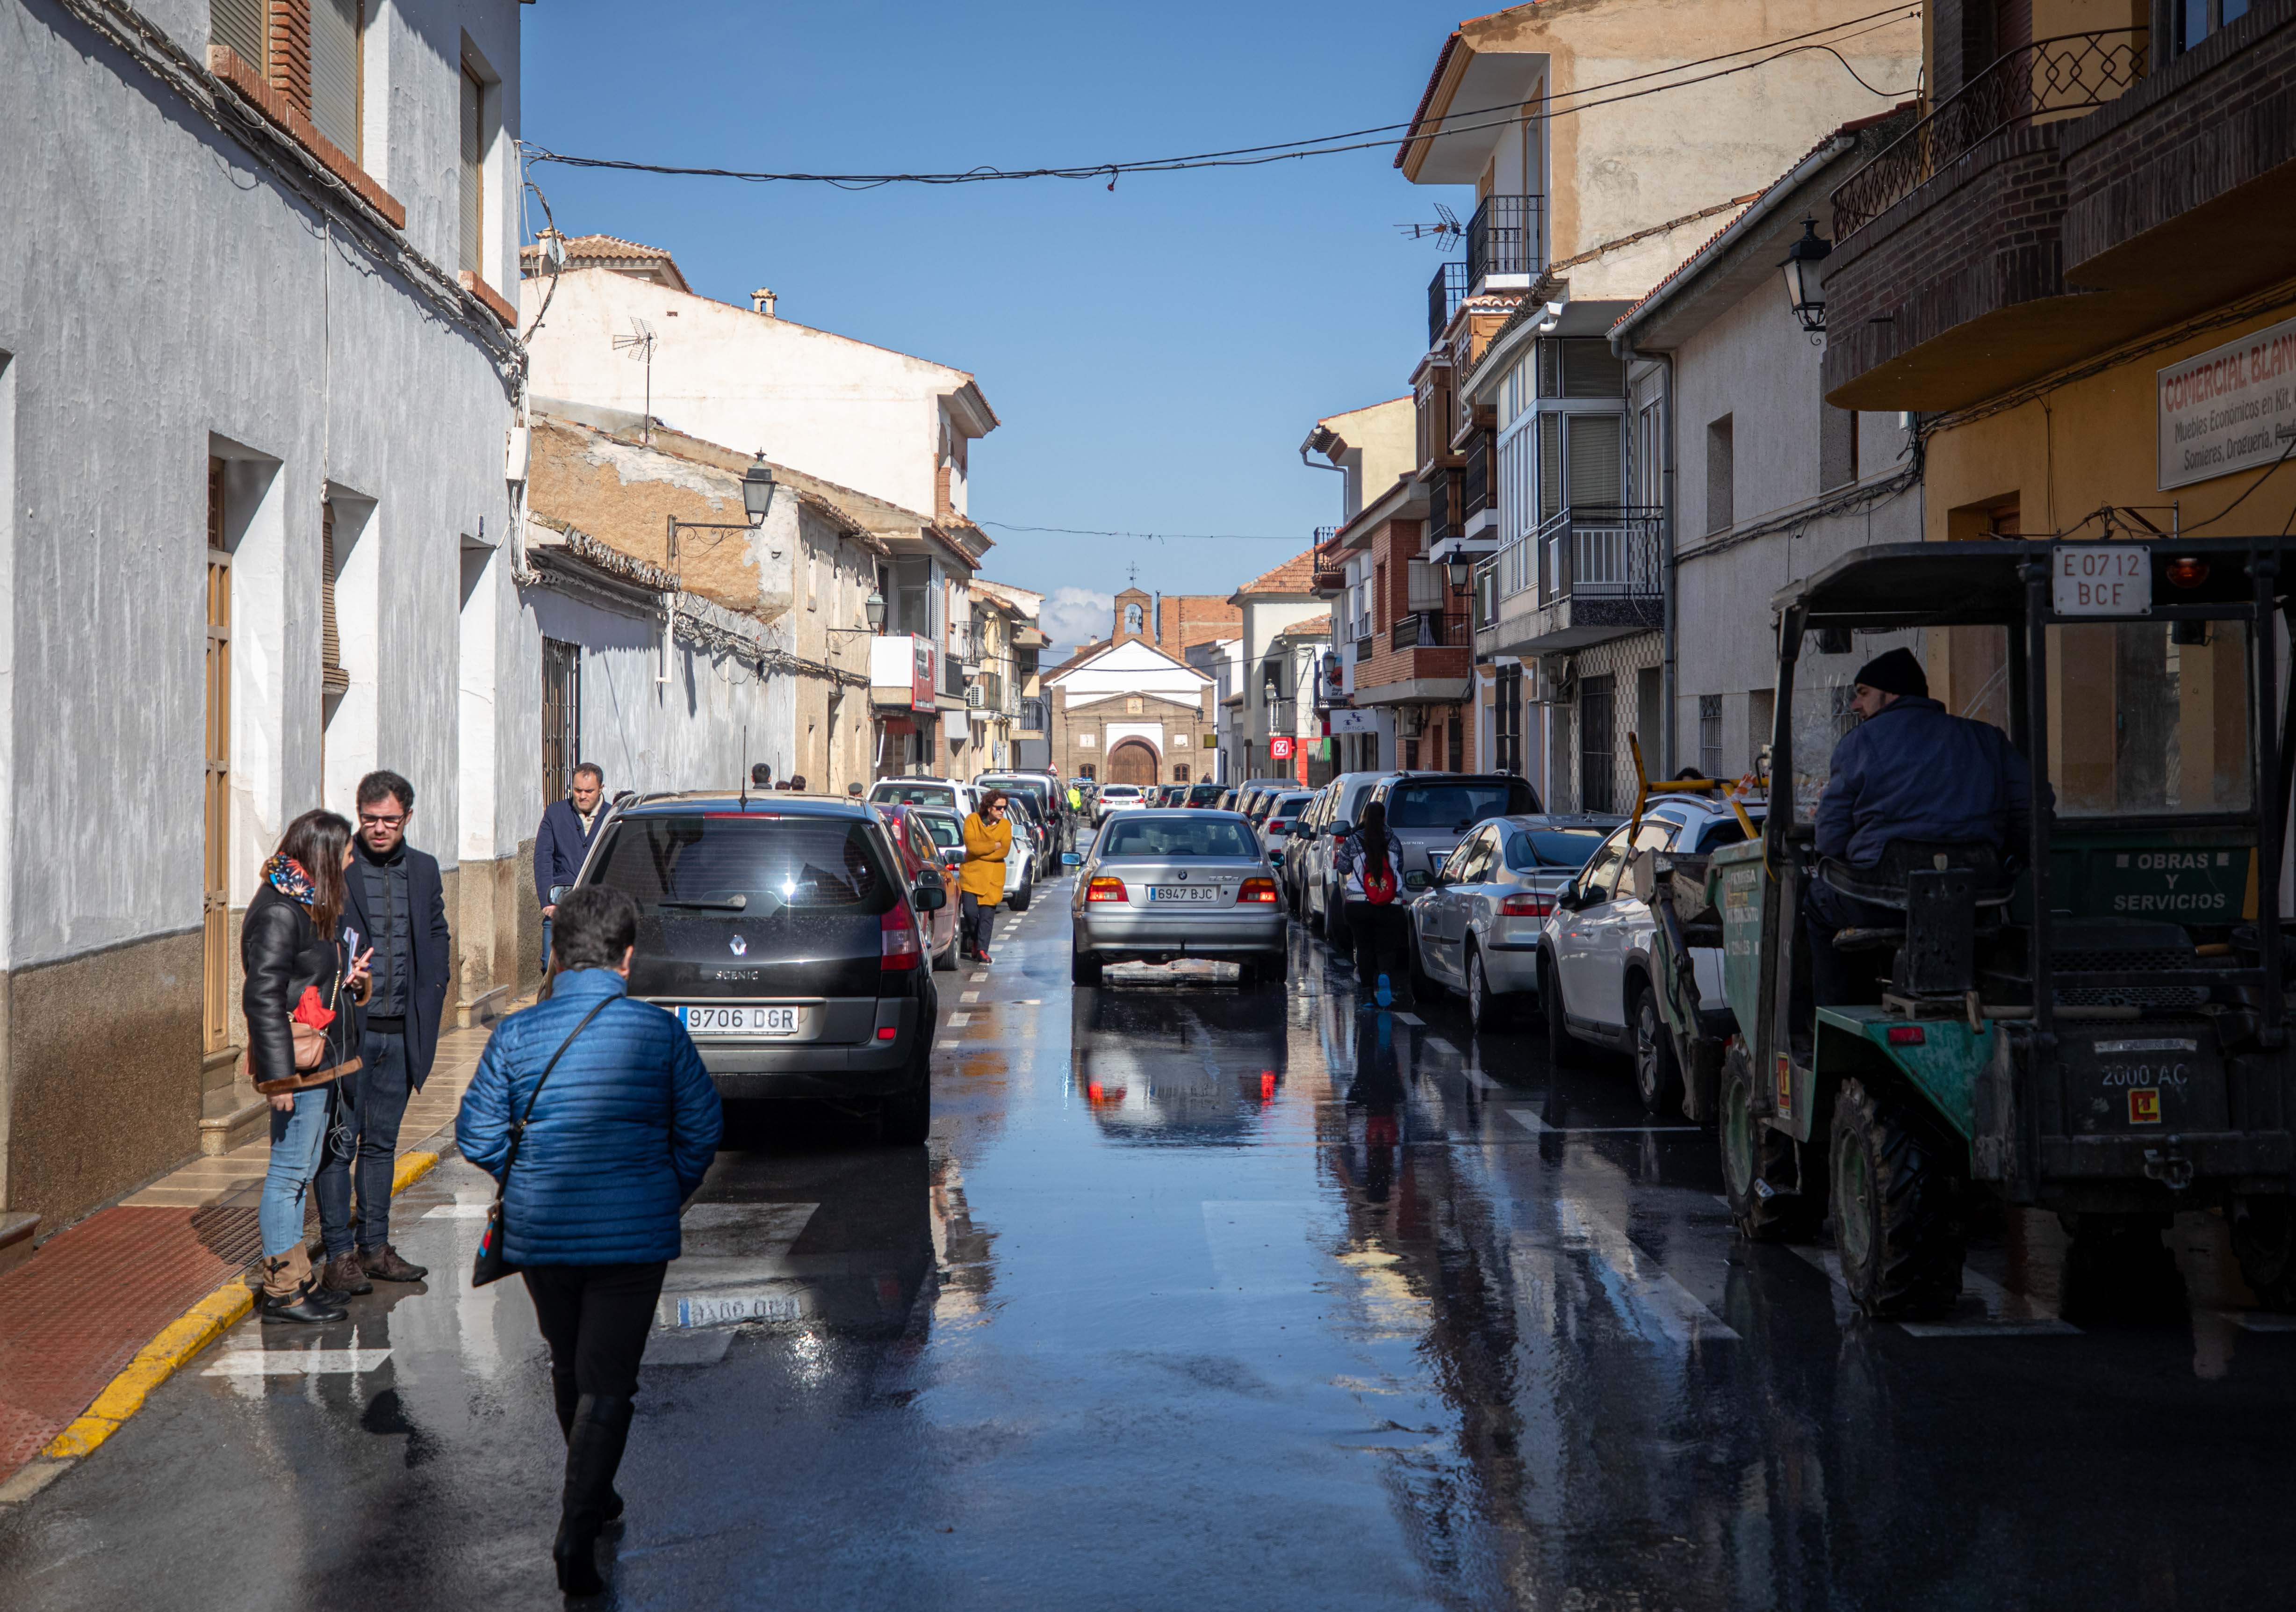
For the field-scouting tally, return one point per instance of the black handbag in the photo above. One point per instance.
(490, 1265)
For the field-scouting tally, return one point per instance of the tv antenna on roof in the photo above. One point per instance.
(1446, 228)
(639, 345)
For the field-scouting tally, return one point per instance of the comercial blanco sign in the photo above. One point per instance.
(2230, 408)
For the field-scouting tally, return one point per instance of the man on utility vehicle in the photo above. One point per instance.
(1910, 770)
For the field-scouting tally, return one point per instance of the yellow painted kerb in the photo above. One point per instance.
(181, 1339)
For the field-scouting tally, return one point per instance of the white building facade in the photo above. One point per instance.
(257, 371)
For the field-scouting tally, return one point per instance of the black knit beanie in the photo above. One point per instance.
(1896, 672)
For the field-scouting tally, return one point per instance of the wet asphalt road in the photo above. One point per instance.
(1211, 1298)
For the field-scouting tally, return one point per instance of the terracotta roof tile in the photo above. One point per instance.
(1295, 575)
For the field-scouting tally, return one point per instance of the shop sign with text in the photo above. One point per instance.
(2231, 409)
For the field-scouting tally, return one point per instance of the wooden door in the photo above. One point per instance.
(1133, 761)
(561, 717)
(215, 858)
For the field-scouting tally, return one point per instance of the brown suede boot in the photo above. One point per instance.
(384, 1265)
(289, 1293)
(344, 1274)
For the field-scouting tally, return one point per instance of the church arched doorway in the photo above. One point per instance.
(1132, 761)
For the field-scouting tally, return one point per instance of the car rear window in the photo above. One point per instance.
(1552, 848)
(1119, 792)
(913, 795)
(1292, 808)
(1460, 805)
(945, 831)
(1178, 837)
(823, 865)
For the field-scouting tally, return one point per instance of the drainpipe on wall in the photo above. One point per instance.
(1669, 765)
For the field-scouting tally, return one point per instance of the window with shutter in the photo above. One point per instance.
(239, 24)
(333, 678)
(337, 26)
(1595, 474)
(1550, 466)
(474, 211)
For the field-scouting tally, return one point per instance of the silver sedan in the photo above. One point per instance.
(1157, 885)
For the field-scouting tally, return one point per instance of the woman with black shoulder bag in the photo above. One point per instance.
(595, 1117)
(303, 985)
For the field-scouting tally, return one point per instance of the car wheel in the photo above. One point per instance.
(1273, 969)
(1658, 1074)
(945, 959)
(1084, 967)
(1562, 1048)
(1485, 1010)
(1023, 896)
(1425, 987)
(1335, 926)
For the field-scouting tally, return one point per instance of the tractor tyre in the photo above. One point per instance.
(1658, 1073)
(1755, 1157)
(2264, 1241)
(1894, 1222)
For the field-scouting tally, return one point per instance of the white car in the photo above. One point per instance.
(1282, 821)
(1595, 968)
(1118, 797)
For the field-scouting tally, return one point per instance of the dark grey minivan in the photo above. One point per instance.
(779, 930)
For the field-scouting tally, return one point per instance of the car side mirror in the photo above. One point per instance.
(559, 892)
(1417, 880)
(1069, 858)
(931, 895)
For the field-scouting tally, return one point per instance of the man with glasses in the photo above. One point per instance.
(570, 826)
(395, 901)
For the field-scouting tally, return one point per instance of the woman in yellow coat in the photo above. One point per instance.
(988, 842)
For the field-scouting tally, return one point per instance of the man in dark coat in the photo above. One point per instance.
(1909, 770)
(564, 840)
(394, 899)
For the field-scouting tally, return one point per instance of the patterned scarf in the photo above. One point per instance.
(288, 879)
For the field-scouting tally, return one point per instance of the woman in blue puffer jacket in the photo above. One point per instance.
(619, 1136)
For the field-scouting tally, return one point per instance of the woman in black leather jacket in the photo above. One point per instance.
(301, 985)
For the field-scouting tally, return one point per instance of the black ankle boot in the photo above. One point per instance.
(593, 1451)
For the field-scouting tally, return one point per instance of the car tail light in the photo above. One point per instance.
(1105, 889)
(886, 1033)
(1257, 890)
(1907, 1035)
(1528, 904)
(898, 946)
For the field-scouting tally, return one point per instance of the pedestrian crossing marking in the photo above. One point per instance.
(295, 1362)
(1532, 1123)
(970, 996)
(958, 1021)
(2006, 1314)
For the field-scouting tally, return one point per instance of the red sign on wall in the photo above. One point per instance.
(1279, 749)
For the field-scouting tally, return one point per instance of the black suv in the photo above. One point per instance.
(780, 932)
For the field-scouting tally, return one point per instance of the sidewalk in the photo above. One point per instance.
(76, 1313)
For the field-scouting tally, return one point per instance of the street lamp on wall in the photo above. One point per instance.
(757, 499)
(1461, 568)
(873, 610)
(1804, 292)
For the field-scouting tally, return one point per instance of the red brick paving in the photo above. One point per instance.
(76, 1312)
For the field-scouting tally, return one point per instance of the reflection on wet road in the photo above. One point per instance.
(1209, 1297)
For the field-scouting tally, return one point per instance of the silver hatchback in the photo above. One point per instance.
(1159, 885)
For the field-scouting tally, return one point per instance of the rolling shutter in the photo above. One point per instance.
(333, 678)
(239, 24)
(473, 178)
(1595, 475)
(335, 76)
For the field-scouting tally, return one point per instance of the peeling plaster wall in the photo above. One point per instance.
(161, 298)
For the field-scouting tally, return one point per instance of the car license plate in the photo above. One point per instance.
(731, 1308)
(1201, 893)
(706, 1020)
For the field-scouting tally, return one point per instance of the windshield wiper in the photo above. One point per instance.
(719, 903)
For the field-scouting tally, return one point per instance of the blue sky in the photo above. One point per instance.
(1156, 354)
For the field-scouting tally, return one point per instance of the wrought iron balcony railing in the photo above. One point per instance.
(1428, 630)
(1475, 484)
(1443, 506)
(1600, 551)
(1331, 567)
(1036, 714)
(1504, 238)
(2070, 73)
(1445, 292)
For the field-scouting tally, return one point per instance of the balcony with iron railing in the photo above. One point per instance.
(1445, 292)
(1036, 714)
(1428, 630)
(1506, 243)
(1588, 573)
(1329, 572)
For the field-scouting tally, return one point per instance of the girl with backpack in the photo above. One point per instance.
(1365, 858)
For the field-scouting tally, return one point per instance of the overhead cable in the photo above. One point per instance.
(1321, 146)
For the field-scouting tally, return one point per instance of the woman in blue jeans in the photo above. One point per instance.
(302, 1031)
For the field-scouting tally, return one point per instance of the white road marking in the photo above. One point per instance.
(295, 1362)
(958, 1021)
(458, 1211)
(977, 978)
(1480, 1081)
(1668, 1306)
(2005, 1315)
(1410, 1018)
(970, 996)
(1532, 1123)
(2259, 1320)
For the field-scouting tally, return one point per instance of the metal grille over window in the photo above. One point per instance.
(1595, 744)
(1709, 735)
(336, 29)
(561, 716)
